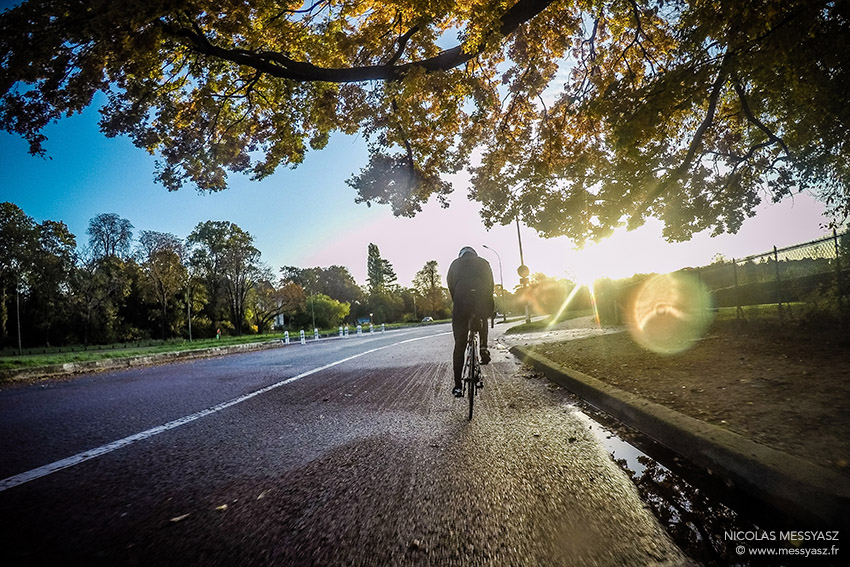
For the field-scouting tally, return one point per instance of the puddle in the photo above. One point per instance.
(700, 513)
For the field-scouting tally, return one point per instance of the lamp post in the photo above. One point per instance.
(501, 282)
(523, 271)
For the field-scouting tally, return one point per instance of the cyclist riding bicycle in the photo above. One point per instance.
(470, 282)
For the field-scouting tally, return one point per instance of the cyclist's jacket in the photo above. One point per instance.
(470, 282)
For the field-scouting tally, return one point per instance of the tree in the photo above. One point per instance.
(584, 113)
(338, 283)
(329, 312)
(161, 257)
(681, 110)
(265, 300)
(100, 288)
(109, 235)
(240, 269)
(18, 235)
(293, 299)
(208, 241)
(428, 283)
(380, 275)
(50, 280)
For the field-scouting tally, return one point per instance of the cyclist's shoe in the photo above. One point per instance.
(457, 391)
(485, 356)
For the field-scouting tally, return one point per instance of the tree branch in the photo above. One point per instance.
(683, 167)
(742, 96)
(279, 65)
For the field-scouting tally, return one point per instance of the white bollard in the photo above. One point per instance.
(316, 334)
(340, 330)
(346, 330)
(371, 329)
(286, 337)
(383, 327)
(303, 338)
(359, 330)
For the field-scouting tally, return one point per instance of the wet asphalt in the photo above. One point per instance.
(340, 452)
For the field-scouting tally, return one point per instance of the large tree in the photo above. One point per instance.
(428, 283)
(380, 275)
(585, 113)
(161, 257)
(110, 235)
(36, 261)
(226, 259)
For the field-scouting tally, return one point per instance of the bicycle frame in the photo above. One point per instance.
(472, 364)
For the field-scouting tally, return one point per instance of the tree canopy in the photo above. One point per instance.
(575, 115)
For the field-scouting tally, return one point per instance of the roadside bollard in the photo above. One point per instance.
(340, 330)
(286, 337)
(359, 330)
(303, 338)
(371, 329)
(383, 327)
(316, 334)
(346, 330)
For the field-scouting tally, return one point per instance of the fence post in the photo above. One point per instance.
(838, 282)
(778, 286)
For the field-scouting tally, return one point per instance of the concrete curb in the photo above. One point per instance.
(70, 368)
(806, 492)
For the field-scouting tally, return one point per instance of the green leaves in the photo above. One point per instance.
(576, 115)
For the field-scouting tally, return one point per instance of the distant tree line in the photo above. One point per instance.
(121, 286)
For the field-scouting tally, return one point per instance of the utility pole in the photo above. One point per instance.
(501, 282)
(523, 271)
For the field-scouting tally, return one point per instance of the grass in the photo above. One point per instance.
(48, 356)
(543, 324)
(56, 355)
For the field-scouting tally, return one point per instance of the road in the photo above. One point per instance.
(340, 452)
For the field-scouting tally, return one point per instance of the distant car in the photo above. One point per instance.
(427, 319)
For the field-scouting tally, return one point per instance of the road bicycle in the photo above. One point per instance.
(471, 375)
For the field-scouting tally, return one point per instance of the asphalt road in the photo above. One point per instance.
(340, 452)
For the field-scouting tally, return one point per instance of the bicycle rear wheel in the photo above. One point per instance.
(471, 377)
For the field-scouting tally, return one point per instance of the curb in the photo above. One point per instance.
(70, 368)
(806, 492)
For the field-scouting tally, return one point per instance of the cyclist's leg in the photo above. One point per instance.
(459, 330)
(483, 349)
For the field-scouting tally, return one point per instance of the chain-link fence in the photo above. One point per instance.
(787, 283)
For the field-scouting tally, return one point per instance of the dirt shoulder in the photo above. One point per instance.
(787, 389)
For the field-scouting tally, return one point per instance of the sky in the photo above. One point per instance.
(307, 217)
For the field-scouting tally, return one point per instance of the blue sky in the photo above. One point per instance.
(307, 217)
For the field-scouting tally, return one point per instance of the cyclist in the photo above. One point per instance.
(470, 281)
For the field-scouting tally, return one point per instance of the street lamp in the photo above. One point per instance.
(501, 282)
(523, 272)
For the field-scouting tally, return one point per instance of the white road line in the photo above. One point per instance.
(40, 472)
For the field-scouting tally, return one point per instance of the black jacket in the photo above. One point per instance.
(470, 282)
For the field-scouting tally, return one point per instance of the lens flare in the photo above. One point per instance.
(564, 306)
(670, 312)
